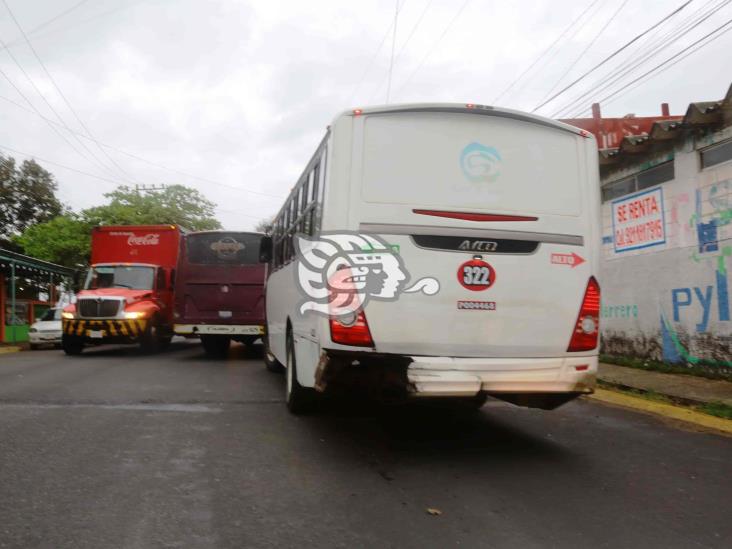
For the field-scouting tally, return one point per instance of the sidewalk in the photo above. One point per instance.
(677, 386)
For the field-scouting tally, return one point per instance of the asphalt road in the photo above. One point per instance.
(115, 449)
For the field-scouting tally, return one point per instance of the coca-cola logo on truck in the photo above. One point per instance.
(143, 240)
(150, 239)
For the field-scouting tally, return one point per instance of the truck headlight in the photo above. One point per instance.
(67, 315)
(134, 315)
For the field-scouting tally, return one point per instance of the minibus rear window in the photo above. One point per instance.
(223, 248)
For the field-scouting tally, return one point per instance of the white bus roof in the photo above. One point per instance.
(468, 108)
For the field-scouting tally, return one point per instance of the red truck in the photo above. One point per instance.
(219, 295)
(127, 296)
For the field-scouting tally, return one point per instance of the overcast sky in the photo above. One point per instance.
(236, 95)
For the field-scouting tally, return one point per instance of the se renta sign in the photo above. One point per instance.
(638, 221)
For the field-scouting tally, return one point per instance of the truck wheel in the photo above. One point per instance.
(272, 364)
(164, 342)
(299, 399)
(72, 345)
(150, 339)
(216, 346)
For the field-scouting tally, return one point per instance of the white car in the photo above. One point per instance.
(46, 330)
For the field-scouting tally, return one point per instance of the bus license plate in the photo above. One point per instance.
(96, 334)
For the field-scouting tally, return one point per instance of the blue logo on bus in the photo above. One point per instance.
(480, 163)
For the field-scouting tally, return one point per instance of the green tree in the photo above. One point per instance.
(65, 240)
(176, 204)
(27, 197)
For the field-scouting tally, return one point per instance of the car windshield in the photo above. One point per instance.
(119, 276)
(52, 314)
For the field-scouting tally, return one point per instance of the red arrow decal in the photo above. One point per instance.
(567, 259)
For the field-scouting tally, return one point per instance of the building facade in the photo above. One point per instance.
(667, 240)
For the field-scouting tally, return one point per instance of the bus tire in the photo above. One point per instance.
(299, 399)
(72, 345)
(216, 346)
(272, 364)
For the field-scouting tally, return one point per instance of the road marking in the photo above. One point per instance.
(667, 410)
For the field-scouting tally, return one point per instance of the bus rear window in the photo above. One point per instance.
(444, 161)
(223, 248)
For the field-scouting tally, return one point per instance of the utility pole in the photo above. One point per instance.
(149, 188)
(393, 43)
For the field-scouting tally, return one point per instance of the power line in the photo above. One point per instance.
(434, 45)
(544, 53)
(587, 48)
(404, 45)
(649, 42)
(53, 163)
(61, 93)
(655, 48)
(48, 104)
(373, 57)
(393, 45)
(612, 55)
(50, 123)
(141, 159)
(662, 64)
(629, 89)
(49, 21)
(138, 187)
(120, 7)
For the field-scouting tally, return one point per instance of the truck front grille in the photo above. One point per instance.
(98, 307)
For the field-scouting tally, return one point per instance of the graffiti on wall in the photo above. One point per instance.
(711, 218)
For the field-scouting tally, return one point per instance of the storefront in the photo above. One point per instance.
(28, 287)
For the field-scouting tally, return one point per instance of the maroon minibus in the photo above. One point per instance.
(219, 293)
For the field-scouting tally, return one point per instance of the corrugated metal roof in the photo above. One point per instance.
(700, 117)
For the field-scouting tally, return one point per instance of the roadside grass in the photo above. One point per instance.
(701, 370)
(716, 409)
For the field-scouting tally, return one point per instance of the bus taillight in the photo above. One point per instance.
(356, 334)
(587, 327)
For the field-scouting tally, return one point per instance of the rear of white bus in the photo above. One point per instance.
(502, 208)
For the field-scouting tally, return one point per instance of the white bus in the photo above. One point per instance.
(495, 211)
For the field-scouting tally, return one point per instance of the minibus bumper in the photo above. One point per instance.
(219, 329)
(459, 377)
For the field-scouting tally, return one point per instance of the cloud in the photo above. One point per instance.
(241, 92)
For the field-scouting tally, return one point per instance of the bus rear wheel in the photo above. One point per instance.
(216, 346)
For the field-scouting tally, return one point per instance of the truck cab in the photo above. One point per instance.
(127, 296)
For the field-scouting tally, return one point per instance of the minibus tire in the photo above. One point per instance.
(216, 346)
(72, 345)
(299, 399)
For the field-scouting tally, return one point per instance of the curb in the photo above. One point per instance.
(678, 413)
(7, 350)
(683, 401)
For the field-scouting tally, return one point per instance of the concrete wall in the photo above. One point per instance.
(669, 298)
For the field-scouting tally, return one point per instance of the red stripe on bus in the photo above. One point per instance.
(475, 216)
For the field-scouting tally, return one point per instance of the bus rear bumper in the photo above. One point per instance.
(458, 377)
